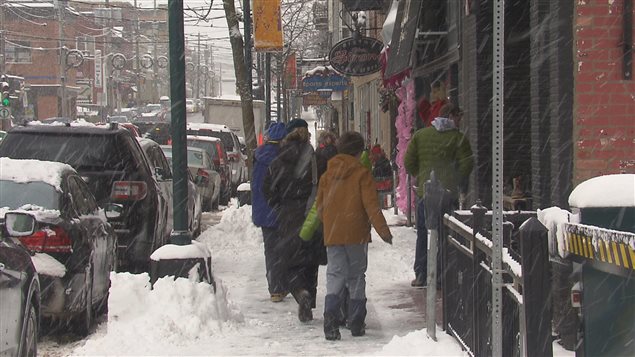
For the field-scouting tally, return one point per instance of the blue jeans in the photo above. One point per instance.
(421, 251)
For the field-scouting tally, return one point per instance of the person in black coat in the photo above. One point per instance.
(288, 187)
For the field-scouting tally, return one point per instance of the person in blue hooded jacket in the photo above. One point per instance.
(264, 216)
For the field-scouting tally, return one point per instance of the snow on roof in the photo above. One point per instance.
(208, 126)
(202, 138)
(616, 190)
(23, 171)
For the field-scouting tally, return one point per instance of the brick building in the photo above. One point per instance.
(569, 92)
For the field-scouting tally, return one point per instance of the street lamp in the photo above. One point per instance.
(183, 255)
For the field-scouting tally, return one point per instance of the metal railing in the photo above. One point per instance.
(466, 248)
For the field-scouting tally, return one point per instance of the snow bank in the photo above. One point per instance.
(554, 219)
(236, 224)
(176, 313)
(417, 343)
(173, 251)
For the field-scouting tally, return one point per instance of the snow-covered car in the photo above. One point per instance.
(113, 165)
(72, 244)
(20, 307)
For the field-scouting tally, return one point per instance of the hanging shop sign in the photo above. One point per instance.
(267, 25)
(333, 82)
(403, 37)
(356, 56)
(313, 98)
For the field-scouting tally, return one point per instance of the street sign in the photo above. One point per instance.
(5, 113)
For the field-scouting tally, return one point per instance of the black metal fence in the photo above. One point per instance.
(466, 250)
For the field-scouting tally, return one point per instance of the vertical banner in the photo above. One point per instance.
(267, 25)
(98, 70)
(290, 72)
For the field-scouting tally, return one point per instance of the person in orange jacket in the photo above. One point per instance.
(347, 205)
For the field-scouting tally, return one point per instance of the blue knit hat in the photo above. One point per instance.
(296, 123)
(277, 131)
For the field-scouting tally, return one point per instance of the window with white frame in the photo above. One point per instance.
(17, 51)
(86, 44)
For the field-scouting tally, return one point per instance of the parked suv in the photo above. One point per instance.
(113, 165)
(237, 162)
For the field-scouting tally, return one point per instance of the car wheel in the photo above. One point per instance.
(28, 342)
(85, 318)
(207, 205)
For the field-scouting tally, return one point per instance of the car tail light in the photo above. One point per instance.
(202, 173)
(219, 148)
(129, 190)
(48, 240)
(576, 295)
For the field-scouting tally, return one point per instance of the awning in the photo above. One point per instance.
(402, 42)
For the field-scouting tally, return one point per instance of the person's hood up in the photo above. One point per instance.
(277, 131)
(342, 166)
(268, 151)
(443, 124)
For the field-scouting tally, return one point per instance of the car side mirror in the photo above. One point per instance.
(113, 210)
(19, 224)
(161, 174)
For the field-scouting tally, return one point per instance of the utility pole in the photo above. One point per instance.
(155, 68)
(248, 59)
(62, 69)
(108, 57)
(198, 67)
(206, 55)
(137, 62)
(2, 58)
(268, 91)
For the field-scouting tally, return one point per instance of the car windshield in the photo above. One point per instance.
(81, 151)
(209, 146)
(14, 195)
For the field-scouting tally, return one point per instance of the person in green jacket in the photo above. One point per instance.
(442, 148)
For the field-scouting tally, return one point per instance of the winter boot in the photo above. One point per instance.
(331, 317)
(357, 316)
(303, 299)
(331, 330)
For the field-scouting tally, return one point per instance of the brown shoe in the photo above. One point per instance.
(277, 297)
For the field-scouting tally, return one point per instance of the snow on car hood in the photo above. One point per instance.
(23, 171)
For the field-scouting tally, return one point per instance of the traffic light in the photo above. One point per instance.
(5, 92)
